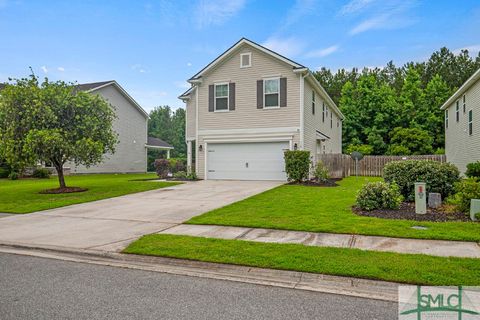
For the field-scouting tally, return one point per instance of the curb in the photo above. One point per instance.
(362, 288)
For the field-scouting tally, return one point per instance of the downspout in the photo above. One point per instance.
(196, 128)
(302, 110)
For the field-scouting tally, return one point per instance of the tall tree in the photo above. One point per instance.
(54, 122)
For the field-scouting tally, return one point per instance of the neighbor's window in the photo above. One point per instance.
(470, 122)
(221, 97)
(313, 102)
(271, 90)
(246, 60)
(331, 120)
(457, 112)
(464, 105)
(323, 112)
(446, 119)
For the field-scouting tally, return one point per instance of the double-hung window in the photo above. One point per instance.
(446, 119)
(313, 102)
(323, 112)
(271, 93)
(457, 111)
(470, 122)
(221, 97)
(464, 105)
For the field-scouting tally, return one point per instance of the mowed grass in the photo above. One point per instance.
(327, 209)
(22, 196)
(404, 268)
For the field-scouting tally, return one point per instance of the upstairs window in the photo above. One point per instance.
(457, 112)
(271, 92)
(331, 120)
(221, 97)
(464, 105)
(313, 102)
(323, 112)
(246, 60)
(470, 122)
(446, 119)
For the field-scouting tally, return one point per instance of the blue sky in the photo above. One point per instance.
(152, 47)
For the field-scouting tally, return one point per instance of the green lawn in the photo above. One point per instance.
(21, 196)
(405, 268)
(323, 209)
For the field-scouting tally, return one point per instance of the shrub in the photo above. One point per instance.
(379, 195)
(398, 150)
(473, 170)
(321, 172)
(364, 149)
(41, 173)
(177, 164)
(466, 190)
(13, 175)
(192, 176)
(162, 167)
(4, 172)
(439, 177)
(440, 151)
(297, 165)
(180, 175)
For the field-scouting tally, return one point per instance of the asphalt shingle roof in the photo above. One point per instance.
(156, 142)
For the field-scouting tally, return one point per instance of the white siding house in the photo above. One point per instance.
(462, 124)
(249, 105)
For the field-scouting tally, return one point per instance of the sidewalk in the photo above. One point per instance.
(400, 245)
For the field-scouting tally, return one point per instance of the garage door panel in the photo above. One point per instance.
(246, 161)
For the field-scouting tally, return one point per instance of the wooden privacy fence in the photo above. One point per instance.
(342, 165)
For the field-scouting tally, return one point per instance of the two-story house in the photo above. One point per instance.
(249, 105)
(462, 124)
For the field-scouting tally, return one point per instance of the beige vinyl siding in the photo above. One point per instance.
(191, 116)
(246, 114)
(131, 126)
(314, 122)
(460, 147)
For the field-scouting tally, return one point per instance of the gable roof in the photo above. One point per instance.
(470, 82)
(159, 143)
(239, 43)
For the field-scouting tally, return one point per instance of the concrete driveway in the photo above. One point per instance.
(111, 224)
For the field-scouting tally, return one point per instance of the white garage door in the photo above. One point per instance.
(246, 161)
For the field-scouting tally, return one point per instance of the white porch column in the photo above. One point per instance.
(168, 153)
(189, 156)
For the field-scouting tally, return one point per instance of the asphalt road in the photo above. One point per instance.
(37, 288)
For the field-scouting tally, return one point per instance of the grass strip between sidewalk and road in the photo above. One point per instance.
(403, 268)
(327, 209)
(22, 196)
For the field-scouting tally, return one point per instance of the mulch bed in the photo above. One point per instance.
(407, 212)
(314, 183)
(63, 190)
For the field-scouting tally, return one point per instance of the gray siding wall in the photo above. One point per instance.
(131, 126)
(332, 126)
(460, 147)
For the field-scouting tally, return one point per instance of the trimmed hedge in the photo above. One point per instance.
(439, 177)
(297, 165)
(379, 195)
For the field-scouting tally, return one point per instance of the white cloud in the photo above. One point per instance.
(369, 24)
(289, 47)
(355, 6)
(300, 9)
(472, 50)
(182, 84)
(189, 64)
(44, 69)
(216, 12)
(322, 52)
(139, 68)
(61, 69)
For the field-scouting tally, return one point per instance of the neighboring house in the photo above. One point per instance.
(249, 105)
(131, 126)
(462, 124)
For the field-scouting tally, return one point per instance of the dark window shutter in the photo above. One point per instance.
(211, 98)
(259, 94)
(231, 96)
(283, 92)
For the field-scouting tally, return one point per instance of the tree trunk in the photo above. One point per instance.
(61, 178)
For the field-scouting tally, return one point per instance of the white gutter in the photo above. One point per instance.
(196, 129)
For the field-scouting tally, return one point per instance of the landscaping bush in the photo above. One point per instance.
(13, 175)
(379, 195)
(466, 190)
(180, 175)
(439, 177)
(192, 176)
(297, 165)
(41, 173)
(162, 167)
(4, 172)
(473, 170)
(177, 164)
(321, 172)
(364, 149)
